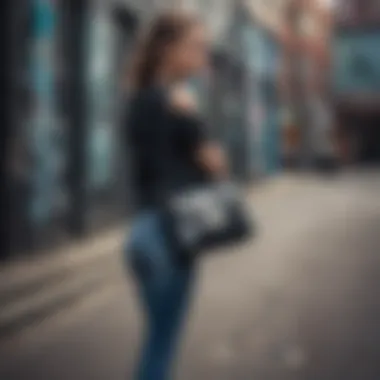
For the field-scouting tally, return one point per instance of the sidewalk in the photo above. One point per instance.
(274, 308)
(33, 289)
(80, 253)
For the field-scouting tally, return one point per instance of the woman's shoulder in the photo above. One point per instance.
(179, 99)
(146, 111)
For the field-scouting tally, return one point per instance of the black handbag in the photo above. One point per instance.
(207, 217)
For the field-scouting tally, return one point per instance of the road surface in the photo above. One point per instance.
(300, 302)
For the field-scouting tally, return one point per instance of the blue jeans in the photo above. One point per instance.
(164, 289)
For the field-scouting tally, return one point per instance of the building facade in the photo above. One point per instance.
(265, 44)
(64, 148)
(305, 79)
(263, 50)
(357, 79)
(68, 159)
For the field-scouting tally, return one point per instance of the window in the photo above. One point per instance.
(356, 62)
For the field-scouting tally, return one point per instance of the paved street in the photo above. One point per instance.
(301, 302)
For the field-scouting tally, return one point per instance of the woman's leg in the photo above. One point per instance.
(166, 310)
(165, 290)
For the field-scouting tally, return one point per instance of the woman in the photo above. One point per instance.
(169, 151)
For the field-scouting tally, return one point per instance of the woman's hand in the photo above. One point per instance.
(212, 158)
(182, 99)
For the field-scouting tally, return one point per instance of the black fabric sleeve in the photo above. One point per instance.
(191, 132)
(144, 130)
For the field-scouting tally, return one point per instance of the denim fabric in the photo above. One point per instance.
(164, 290)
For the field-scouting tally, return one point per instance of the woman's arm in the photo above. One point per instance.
(208, 154)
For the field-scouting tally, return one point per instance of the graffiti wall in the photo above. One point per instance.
(102, 102)
(256, 63)
(262, 57)
(46, 134)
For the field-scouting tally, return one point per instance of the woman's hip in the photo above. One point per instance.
(148, 252)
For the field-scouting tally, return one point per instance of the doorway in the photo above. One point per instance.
(368, 133)
(361, 133)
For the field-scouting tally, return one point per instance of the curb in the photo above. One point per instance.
(74, 254)
(34, 306)
(37, 271)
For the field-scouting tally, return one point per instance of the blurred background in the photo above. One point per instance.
(293, 92)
